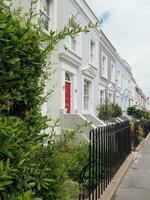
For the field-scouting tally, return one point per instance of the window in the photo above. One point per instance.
(118, 80)
(104, 66)
(102, 97)
(123, 81)
(86, 95)
(73, 42)
(110, 96)
(67, 77)
(92, 52)
(129, 85)
(112, 73)
(45, 13)
(74, 39)
(117, 99)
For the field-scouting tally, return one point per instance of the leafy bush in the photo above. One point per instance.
(136, 133)
(116, 110)
(29, 169)
(137, 113)
(108, 111)
(140, 133)
(132, 129)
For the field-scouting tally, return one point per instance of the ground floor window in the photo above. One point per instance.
(102, 97)
(86, 95)
(110, 96)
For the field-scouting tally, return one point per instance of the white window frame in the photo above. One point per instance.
(110, 97)
(118, 78)
(123, 81)
(86, 96)
(44, 14)
(104, 69)
(113, 73)
(92, 55)
(102, 97)
(77, 38)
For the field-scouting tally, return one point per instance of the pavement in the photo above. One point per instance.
(136, 183)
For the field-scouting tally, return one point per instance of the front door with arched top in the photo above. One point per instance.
(67, 93)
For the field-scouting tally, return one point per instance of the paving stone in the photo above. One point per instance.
(136, 183)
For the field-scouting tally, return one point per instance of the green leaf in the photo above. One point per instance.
(8, 164)
(4, 183)
(13, 60)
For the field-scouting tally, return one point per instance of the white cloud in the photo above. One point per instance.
(128, 29)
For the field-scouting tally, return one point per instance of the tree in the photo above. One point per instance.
(28, 169)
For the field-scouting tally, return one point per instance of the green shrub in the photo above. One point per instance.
(116, 110)
(108, 111)
(29, 169)
(140, 133)
(137, 113)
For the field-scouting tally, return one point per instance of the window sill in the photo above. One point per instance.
(78, 55)
(93, 65)
(113, 82)
(44, 31)
(104, 77)
(47, 32)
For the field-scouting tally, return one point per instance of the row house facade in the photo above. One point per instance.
(140, 98)
(89, 71)
(148, 104)
(107, 66)
(125, 95)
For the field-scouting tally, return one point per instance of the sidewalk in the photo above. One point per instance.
(136, 183)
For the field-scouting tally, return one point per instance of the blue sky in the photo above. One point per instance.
(126, 24)
(105, 16)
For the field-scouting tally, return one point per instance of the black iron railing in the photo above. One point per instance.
(109, 146)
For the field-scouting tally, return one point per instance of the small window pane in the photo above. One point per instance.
(67, 77)
(86, 95)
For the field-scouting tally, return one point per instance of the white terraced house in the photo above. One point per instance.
(88, 67)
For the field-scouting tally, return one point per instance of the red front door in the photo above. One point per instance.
(67, 96)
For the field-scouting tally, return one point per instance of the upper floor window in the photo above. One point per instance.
(92, 52)
(74, 39)
(45, 13)
(73, 42)
(129, 85)
(104, 66)
(112, 73)
(123, 81)
(118, 80)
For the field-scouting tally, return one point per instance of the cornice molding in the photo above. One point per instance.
(65, 57)
(89, 71)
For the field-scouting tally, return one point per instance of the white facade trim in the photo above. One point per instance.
(105, 75)
(64, 56)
